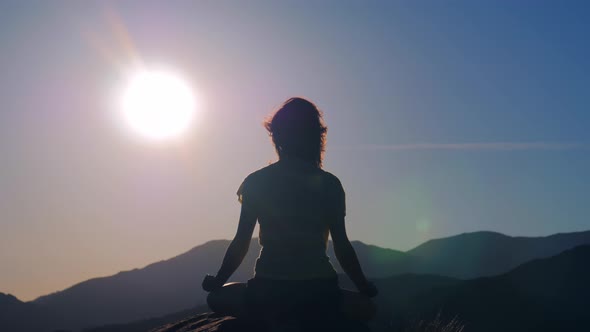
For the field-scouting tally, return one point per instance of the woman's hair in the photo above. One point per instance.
(298, 130)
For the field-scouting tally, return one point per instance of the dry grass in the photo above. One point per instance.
(436, 325)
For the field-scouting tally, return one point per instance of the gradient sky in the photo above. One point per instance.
(444, 117)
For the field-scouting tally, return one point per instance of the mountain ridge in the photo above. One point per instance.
(412, 251)
(485, 253)
(173, 284)
(545, 294)
(519, 297)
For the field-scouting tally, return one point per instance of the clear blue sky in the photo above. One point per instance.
(444, 117)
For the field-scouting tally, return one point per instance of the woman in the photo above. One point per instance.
(297, 205)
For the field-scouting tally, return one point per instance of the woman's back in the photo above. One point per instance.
(293, 200)
(297, 205)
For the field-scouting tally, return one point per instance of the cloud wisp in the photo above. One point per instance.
(474, 146)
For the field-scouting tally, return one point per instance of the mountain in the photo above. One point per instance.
(478, 254)
(173, 285)
(376, 261)
(160, 288)
(16, 315)
(8, 301)
(167, 286)
(549, 294)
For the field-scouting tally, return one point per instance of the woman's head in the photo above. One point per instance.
(298, 130)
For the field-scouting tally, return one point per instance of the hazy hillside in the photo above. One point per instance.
(8, 301)
(478, 254)
(22, 317)
(168, 286)
(378, 262)
(548, 294)
(174, 285)
(157, 289)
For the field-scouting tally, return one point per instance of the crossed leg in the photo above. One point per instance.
(357, 306)
(230, 300)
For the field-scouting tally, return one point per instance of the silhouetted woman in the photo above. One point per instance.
(297, 205)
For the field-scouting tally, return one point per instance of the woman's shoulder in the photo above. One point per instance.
(275, 169)
(261, 173)
(330, 176)
(252, 182)
(332, 180)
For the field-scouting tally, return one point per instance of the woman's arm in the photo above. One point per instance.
(347, 257)
(238, 247)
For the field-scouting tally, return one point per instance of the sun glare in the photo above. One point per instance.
(158, 104)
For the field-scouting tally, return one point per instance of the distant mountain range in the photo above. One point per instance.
(20, 316)
(549, 294)
(473, 255)
(173, 285)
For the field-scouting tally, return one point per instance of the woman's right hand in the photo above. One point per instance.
(211, 283)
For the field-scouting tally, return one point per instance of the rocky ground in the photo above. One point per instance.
(209, 322)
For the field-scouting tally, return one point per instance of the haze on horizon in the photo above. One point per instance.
(443, 119)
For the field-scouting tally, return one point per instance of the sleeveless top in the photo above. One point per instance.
(293, 200)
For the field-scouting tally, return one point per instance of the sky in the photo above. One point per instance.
(443, 117)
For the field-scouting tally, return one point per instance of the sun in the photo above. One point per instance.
(158, 104)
